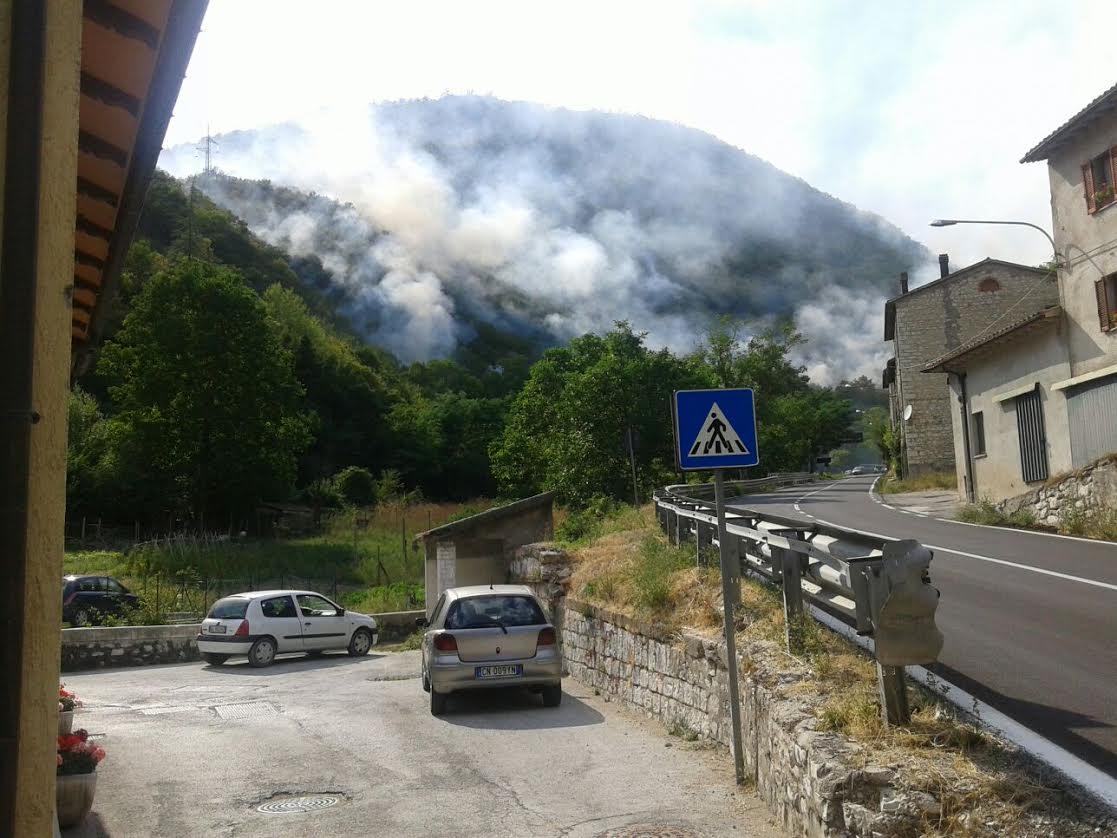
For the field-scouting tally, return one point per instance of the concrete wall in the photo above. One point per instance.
(815, 783)
(1038, 358)
(1074, 228)
(44, 514)
(936, 319)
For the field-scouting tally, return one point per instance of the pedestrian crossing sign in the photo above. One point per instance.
(715, 429)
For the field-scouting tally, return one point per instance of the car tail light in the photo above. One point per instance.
(546, 637)
(242, 629)
(445, 643)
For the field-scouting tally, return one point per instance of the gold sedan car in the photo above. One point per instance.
(489, 636)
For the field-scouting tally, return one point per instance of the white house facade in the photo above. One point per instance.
(1036, 393)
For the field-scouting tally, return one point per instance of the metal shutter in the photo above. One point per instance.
(1092, 413)
(1033, 439)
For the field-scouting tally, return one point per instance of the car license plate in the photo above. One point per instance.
(217, 629)
(504, 671)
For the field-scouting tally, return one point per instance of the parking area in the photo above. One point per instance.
(198, 750)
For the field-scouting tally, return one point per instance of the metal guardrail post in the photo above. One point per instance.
(893, 688)
(791, 580)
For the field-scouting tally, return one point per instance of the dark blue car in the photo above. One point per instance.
(87, 599)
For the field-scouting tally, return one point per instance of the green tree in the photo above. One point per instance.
(356, 485)
(205, 392)
(881, 433)
(566, 429)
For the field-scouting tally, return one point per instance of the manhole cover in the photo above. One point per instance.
(299, 805)
(250, 710)
(649, 830)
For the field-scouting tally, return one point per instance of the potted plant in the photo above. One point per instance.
(77, 776)
(1103, 196)
(67, 703)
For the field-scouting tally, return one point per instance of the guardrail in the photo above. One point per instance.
(879, 586)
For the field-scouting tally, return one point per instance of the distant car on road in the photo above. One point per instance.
(489, 636)
(262, 624)
(87, 599)
(867, 469)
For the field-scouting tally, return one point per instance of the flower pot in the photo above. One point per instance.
(74, 797)
(65, 722)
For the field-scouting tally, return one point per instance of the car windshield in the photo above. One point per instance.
(495, 609)
(230, 608)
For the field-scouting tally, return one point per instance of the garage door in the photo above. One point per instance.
(1092, 412)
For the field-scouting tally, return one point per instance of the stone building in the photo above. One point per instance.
(928, 321)
(1038, 391)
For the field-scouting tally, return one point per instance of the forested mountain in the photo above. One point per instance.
(430, 218)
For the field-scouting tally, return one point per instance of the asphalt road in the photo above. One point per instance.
(193, 750)
(1036, 638)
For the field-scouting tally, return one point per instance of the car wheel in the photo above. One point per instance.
(262, 652)
(360, 643)
(438, 703)
(426, 683)
(552, 695)
(81, 618)
(214, 659)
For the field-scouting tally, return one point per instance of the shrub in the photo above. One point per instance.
(356, 485)
(586, 523)
(658, 562)
(987, 512)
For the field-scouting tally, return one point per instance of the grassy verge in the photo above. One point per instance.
(986, 512)
(929, 482)
(983, 786)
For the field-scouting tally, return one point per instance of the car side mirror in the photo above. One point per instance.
(421, 622)
(341, 612)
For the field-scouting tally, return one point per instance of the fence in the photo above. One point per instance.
(881, 587)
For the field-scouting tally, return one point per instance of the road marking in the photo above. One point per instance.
(1094, 582)
(1078, 770)
(877, 498)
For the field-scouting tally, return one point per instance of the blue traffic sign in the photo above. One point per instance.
(715, 429)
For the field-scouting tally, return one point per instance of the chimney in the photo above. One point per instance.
(944, 264)
(904, 283)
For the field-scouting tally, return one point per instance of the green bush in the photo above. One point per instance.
(586, 523)
(356, 485)
(399, 596)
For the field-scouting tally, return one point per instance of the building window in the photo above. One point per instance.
(988, 285)
(1098, 178)
(978, 434)
(1106, 291)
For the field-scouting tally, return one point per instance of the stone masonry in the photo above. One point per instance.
(1089, 490)
(929, 321)
(810, 779)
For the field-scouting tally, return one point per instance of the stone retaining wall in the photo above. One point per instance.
(810, 779)
(90, 648)
(96, 647)
(1087, 491)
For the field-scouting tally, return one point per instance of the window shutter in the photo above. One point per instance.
(1105, 319)
(1088, 181)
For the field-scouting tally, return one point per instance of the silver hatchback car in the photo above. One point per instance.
(489, 636)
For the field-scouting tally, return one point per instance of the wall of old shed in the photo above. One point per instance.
(933, 321)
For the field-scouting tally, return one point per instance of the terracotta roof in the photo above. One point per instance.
(1027, 324)
(890, 305)
(133, 57)
(1101, 106)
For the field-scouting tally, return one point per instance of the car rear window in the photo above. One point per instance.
(230, 608)
(491, 610)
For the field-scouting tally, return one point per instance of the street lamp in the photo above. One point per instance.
(950, 222)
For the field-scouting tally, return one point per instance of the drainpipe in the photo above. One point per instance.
(18, 272)
(964, 407)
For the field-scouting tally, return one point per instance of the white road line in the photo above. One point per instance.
(1094, 582)
(876, 497)
(1079, 771)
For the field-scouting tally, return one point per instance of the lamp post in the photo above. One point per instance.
(950, 222)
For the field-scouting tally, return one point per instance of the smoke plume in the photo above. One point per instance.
(435, 216)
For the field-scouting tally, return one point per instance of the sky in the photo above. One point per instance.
(914, 110)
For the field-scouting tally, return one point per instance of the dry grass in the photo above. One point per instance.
(929, 482)
(983, 786)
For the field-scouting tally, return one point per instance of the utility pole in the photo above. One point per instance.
(632, 459)
(206, 146)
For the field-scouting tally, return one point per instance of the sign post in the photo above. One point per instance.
(716, 430)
